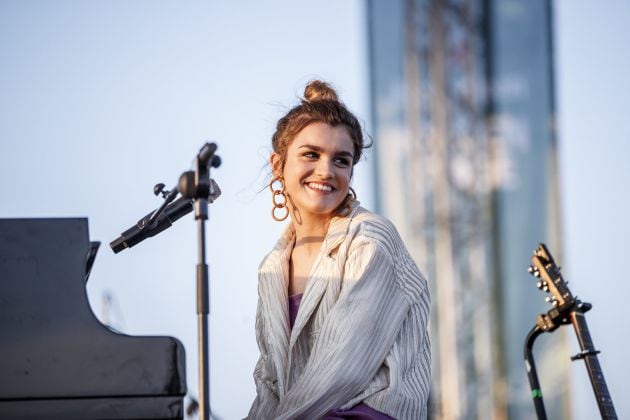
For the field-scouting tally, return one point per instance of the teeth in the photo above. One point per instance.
(326, 188)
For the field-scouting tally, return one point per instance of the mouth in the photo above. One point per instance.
(320, 187)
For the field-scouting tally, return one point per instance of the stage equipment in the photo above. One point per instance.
(566, 309)
(195, 187)
(57, 361)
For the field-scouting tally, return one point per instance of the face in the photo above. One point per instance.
(317, 169)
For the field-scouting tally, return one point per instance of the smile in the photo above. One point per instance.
(319, 187)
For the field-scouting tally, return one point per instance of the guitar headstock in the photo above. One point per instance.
(550, 279)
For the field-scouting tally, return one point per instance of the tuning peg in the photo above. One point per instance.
(533, 271)
(552, 300)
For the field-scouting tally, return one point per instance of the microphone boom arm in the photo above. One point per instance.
(145, 229)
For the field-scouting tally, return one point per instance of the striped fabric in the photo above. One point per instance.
(361, 331)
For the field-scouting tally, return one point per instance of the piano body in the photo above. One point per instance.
(57, 361)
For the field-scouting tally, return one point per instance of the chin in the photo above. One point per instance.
(326, 207)
(320, 210)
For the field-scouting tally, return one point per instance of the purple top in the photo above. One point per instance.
(359, 411)
(294, 305)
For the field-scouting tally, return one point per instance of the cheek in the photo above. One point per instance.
(293, 173)
(346, 176)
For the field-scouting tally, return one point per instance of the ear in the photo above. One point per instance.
(275, 160)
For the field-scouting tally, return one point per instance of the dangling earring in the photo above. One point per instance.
(345, 207)
(278, 205)
(352, 194)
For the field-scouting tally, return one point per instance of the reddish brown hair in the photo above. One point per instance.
(320, 104)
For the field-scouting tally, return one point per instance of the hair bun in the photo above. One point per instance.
(317, 90)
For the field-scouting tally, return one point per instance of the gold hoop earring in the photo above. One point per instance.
(278, 205)
(352, 194)
(345, 207)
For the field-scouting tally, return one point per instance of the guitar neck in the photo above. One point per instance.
(589, 354)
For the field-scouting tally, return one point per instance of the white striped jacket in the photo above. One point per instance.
(360, 333)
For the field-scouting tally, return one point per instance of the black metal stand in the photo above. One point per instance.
(203, 307)
(532, 375)
(199, 186)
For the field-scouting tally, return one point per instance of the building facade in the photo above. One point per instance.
(463, 124)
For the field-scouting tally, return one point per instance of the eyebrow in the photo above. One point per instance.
(320, 149)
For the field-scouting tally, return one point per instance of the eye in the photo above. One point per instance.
(342, 161)
(311, 155)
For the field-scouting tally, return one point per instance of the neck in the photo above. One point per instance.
(310, 231)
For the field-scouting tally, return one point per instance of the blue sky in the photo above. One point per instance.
(101, 100)
(593, 84)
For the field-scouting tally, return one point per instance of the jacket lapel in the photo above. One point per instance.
(274, 293)
(324, 268)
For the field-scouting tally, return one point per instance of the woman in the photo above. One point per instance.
(342, 313)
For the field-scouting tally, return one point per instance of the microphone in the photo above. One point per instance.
(143, 230)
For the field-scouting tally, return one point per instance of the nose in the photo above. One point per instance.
(324, 168)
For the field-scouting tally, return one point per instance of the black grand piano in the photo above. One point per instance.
(57, 361)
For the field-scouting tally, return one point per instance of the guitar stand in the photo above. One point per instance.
(544, 323)
(539, 405)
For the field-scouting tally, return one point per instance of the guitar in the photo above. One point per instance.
(566, 309)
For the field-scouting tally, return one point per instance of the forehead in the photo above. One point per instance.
(330, 138)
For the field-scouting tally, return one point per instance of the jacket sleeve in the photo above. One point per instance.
(356, 336)
(266, 397)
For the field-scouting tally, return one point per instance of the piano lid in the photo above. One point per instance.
(52, 346)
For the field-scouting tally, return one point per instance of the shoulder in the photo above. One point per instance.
(379, 234)
(372, 227)
(371, 234)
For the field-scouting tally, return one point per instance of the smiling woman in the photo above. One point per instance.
(343, 309)
(317, 172)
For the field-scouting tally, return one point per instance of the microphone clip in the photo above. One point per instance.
(198, 184)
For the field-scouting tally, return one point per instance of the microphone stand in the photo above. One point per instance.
(194, 186)
(199, 186)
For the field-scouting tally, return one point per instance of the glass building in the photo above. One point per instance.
(463, 124)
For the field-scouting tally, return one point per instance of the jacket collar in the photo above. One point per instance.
(337, 231)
